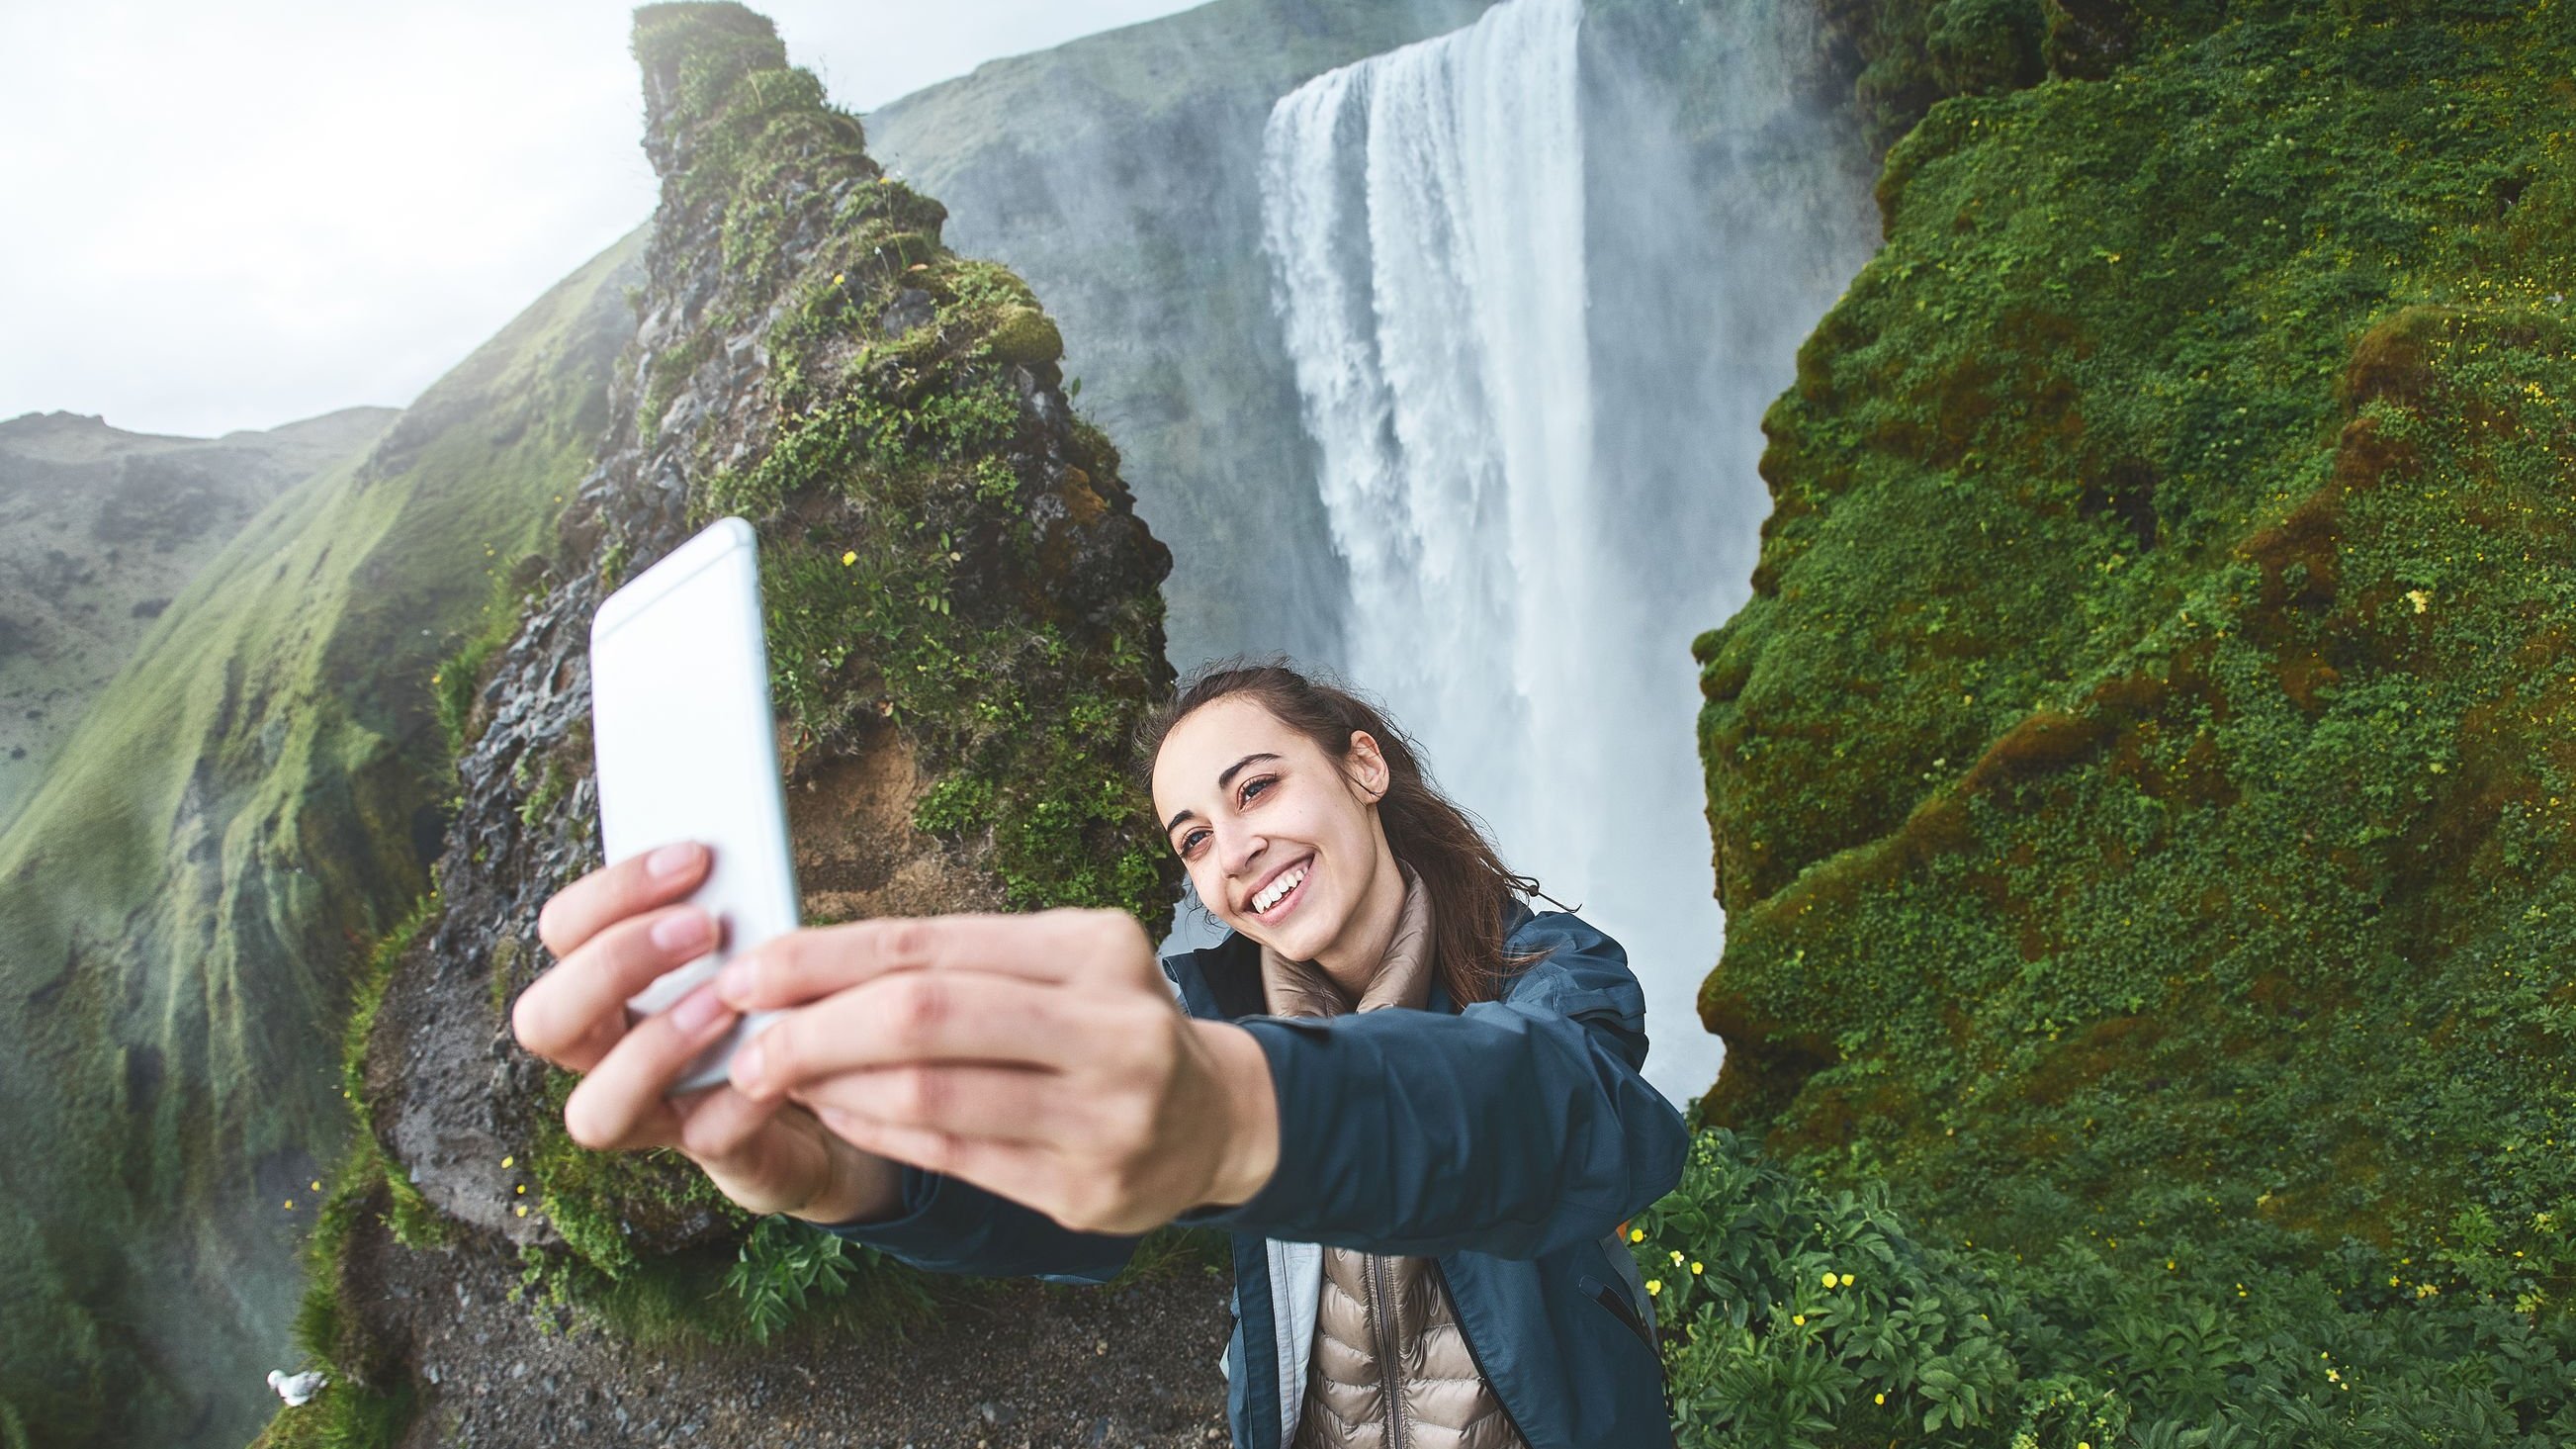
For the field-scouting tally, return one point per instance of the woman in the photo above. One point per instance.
(1415, 1103)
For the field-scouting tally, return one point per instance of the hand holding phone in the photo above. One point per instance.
(612, 931)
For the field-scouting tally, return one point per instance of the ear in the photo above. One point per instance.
(1365, 766)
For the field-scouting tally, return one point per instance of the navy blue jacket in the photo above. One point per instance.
(1506, 1141)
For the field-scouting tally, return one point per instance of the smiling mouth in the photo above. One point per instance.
(1282, 888)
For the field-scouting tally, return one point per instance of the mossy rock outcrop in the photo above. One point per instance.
(962, 610)
(2141, 781)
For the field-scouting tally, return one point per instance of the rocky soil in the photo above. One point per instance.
(1023, 1364)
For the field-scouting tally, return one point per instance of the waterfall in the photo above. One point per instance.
(1424, 213)
(1528, 554)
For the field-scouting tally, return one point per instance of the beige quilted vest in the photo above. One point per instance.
(1390, 1368)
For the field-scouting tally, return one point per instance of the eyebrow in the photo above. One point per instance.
(1223, 779)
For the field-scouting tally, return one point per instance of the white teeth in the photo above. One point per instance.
(1270, 894)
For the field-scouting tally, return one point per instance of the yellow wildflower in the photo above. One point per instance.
(1636, 1235)
(506, 1161)
(1847, 1280)
(1654, 1285)
(523, 1209)
(317, 1187)
(2418, 598)
(1677, 1257)
(1697, 1266)
(290, 1203)
(1878, 1398)
(1829, 1280)
(1799, 1319)
(849, 558)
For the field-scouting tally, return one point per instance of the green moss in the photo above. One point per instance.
(921, 568)
(246, 805)
(2139, 779)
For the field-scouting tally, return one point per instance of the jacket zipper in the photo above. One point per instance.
(1475, 1358)
(1382, 1292)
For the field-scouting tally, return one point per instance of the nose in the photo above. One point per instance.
(1237, 846)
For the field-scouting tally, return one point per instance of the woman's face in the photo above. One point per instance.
(1282, 842)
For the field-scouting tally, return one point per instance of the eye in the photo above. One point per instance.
(1189, 842)
(1255, 786)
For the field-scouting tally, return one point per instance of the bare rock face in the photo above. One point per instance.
(963, 614)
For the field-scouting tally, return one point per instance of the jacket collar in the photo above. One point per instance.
(1403, 976)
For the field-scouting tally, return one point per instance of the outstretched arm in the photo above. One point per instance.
(1512, 1128)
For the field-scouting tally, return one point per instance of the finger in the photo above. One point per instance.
(565, 1009)
(620, 1103)
(1032, 1176)
(917, 1016)
(1059, 945)
(611, 893)
(1011, 1104)
(715, 1126)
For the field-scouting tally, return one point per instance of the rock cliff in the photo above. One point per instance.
(2139, 781)
(964, 626)
(257, 789)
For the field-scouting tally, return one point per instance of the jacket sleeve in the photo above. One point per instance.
(1511, 1128)
(948, 1225)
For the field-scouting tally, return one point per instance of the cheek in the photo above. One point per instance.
(1209, 883)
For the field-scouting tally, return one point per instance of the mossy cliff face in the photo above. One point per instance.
(962, 613)
(2141, 782)
(255, 795)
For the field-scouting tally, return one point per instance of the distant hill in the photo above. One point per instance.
(247, 802)
(99, 529)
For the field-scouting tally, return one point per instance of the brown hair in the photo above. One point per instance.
(1469, 886)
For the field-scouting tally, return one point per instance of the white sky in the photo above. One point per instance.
(241, 214)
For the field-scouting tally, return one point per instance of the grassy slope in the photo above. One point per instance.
(99, 529)
(1120, 175)
(179, 901)
(2141, 781)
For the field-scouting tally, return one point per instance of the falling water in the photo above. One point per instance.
(1521, 602)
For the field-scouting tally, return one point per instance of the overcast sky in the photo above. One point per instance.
(236, 215)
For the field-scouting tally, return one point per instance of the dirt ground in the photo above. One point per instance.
(1029, 1365)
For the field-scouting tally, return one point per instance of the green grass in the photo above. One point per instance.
(2140, 780)
(183, 900)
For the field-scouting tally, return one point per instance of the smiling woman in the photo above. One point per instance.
(1277, 852)
(1416, 1104)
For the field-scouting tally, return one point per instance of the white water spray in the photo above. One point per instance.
(1425, 213)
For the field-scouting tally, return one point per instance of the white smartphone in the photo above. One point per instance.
(687, 749)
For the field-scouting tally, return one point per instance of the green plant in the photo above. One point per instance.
(1796, 1314)
(781, 1261)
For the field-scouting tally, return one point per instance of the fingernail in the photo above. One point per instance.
(697, 1011)
(746, 1068)
(670, 860)
(733, 983)
(681, 931)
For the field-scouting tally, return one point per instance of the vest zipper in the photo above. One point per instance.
(1475, 1358)
(1382, 1294)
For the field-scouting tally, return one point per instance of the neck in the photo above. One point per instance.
(1352, 960)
